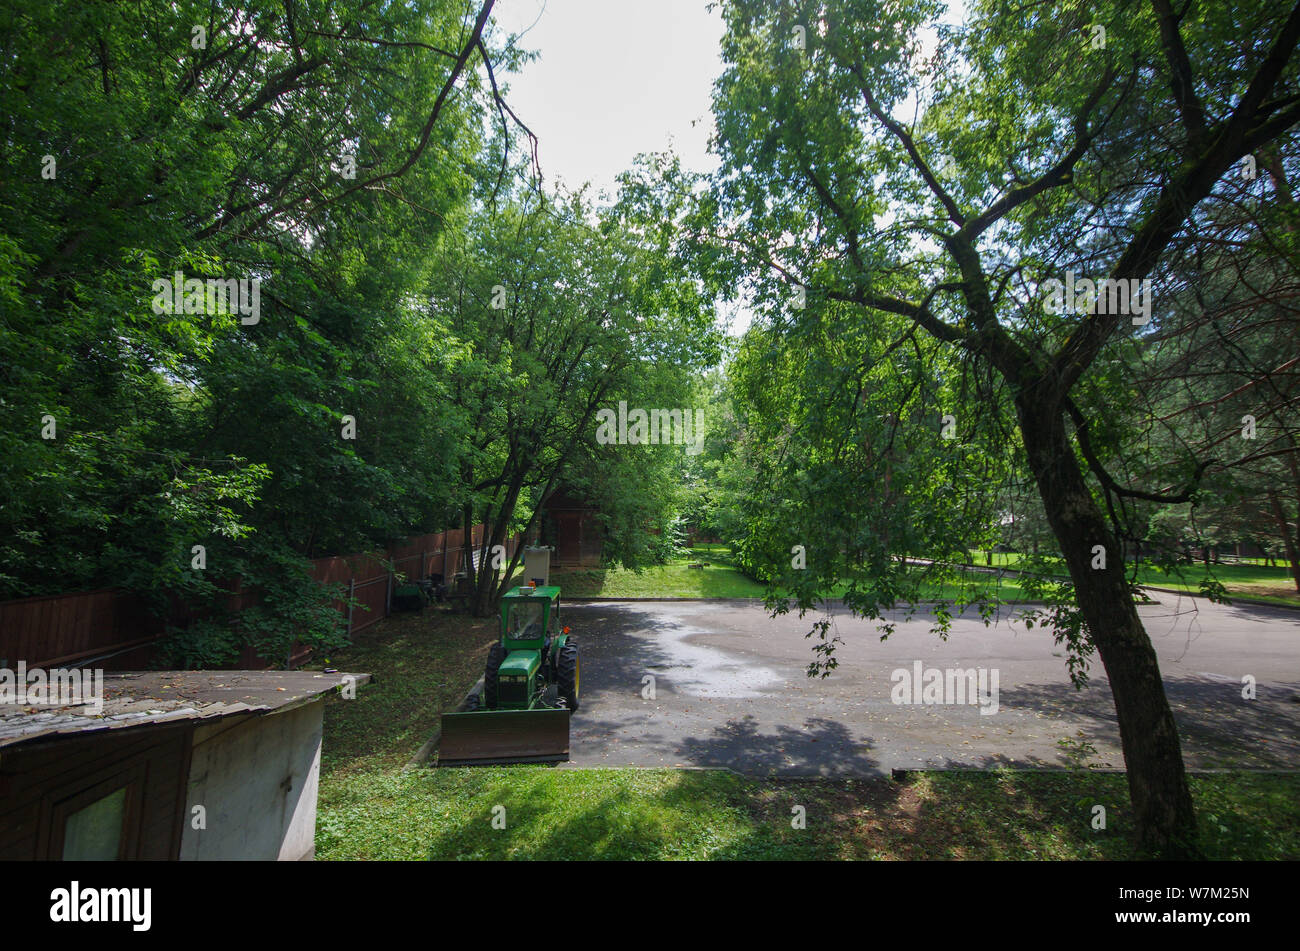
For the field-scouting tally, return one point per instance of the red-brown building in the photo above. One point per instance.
(571, 528)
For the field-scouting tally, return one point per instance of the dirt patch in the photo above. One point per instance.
(871, 818)
(1267, 590)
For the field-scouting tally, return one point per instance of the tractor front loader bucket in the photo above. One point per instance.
(486, 737)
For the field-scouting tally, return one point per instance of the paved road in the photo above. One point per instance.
(730, 690)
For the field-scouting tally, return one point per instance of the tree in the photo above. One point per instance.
(314, 151)
(1082, 141)
(557, 317)
(850, 468)
(1214, 388)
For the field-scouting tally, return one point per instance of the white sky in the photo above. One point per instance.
(614, 78)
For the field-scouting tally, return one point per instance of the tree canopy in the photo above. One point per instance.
(356, 185)
(947, 197)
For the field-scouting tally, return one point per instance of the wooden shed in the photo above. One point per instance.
(174, 765)
(570, 527)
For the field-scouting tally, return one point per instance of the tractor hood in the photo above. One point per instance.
(520, 664)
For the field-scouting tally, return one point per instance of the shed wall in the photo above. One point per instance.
(257, 778)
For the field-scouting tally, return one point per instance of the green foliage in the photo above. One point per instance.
(227, 159)
(348, 159)
(844, 470)
(555, 313)
(1041, 580)
(894, 193)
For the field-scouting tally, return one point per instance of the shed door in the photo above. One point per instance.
(568, 537)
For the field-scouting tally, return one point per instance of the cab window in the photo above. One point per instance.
(525, 620)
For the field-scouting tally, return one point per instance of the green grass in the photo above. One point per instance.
(370, 807)
(660, 814)
(720, 579)
(673, 580)
(1257, 582)
(423, 665)
(548, 814)
(1250, 578)
(1005, 586)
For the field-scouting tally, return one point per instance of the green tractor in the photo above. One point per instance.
(530, 687)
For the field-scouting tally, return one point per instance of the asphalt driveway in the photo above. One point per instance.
(730, 689)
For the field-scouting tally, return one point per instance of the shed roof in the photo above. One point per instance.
(139, 698)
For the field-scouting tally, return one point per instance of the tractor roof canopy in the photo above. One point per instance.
(549, 592)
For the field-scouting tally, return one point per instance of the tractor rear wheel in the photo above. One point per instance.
(567, 666)
(495, 656)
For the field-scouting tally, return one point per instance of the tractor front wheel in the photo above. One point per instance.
(495, 656)
(567, 666)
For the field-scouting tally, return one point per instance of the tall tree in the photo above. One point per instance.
(1072, 138)
(313, 149)
(559, 314)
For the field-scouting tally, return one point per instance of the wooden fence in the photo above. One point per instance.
(61, 629)
(116, 631)
(369, 582)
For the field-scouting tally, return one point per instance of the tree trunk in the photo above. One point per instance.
(467, 553)
(487, 592)
(491, 583)
(1166, 821)
(1292, 544)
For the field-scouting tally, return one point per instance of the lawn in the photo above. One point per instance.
(1248, 578)
(551, 813)
(718, 579)
(422, 664)
(1257, 582)
(721, 579)
(370, 807)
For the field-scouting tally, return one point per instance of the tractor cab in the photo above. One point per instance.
(526, 619)
(526, 615)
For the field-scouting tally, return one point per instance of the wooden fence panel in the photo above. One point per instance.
(50, 630)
